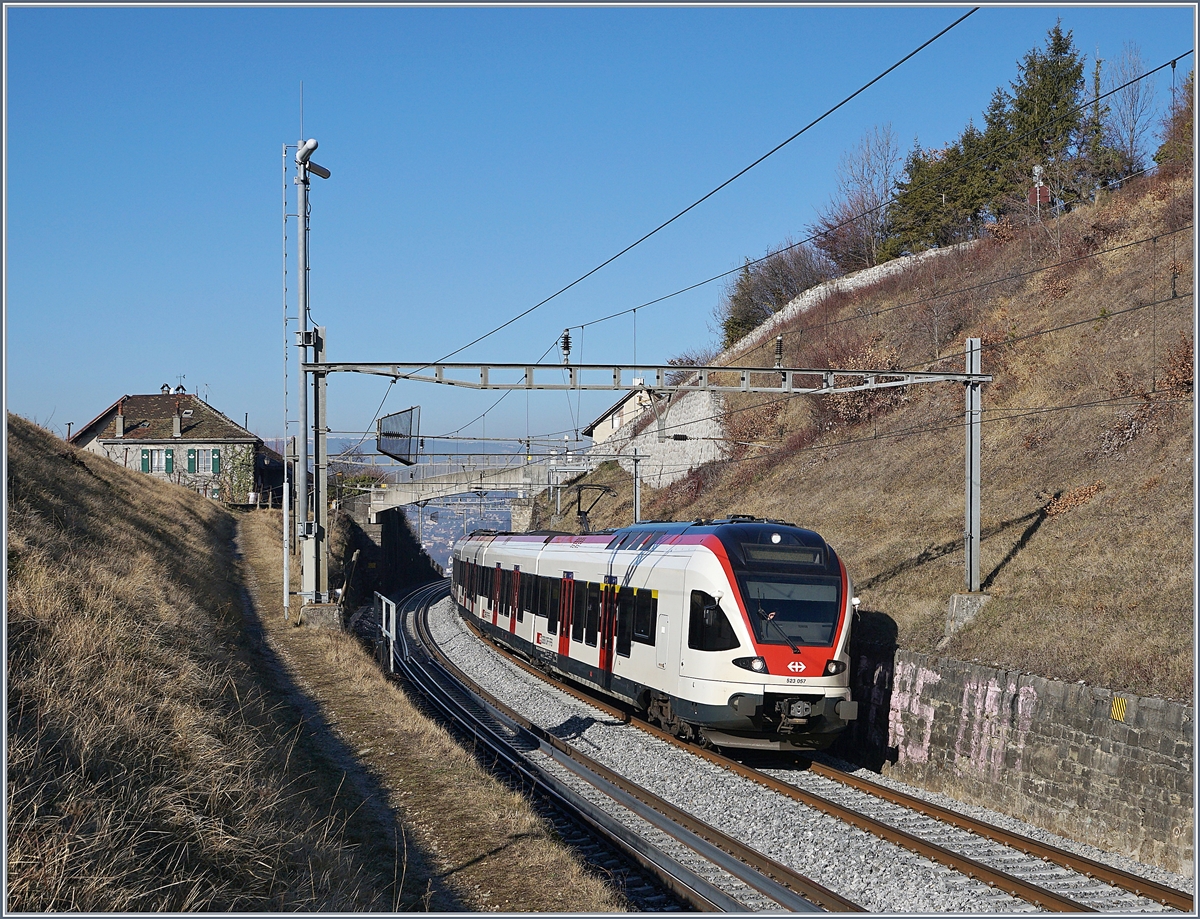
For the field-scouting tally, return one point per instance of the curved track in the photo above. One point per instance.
(702, 866)
(1030, 866)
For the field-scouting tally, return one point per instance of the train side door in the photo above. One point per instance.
(608, 626)
(494, 600)
(516, 600)
(565, 612)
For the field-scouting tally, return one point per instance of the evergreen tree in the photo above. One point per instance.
(1176, 149)
(1044, 115)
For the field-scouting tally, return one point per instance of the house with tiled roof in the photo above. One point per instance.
(178, 437)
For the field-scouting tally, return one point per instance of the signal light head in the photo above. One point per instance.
(306, 150)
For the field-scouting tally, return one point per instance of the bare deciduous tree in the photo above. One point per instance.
(1130, 108)
(853, 227)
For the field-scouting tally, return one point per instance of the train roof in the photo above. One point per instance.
(734, 530)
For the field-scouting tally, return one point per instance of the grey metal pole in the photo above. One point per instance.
(637, 487)
(287, 523)
(974, 411)
(320, 474)
(302, 410)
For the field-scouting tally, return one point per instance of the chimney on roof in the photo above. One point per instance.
(121, 418)
(176, 422)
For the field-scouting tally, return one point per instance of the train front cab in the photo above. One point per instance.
(765, 660)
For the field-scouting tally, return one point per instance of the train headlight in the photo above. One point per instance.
(755, 664)
(834, 667)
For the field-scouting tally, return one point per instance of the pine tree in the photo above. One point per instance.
(1045, 115)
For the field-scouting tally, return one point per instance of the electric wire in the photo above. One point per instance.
(773, 400)
(704, 198)
(633, 310)
(874, 210)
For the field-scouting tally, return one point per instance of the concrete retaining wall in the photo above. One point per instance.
(697, 414)
(1110, 769)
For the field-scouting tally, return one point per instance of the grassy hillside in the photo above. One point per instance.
(174, 747)
(144, 770)
(1087, 328)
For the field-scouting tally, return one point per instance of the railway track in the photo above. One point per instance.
(1045, 876)
(701, 866)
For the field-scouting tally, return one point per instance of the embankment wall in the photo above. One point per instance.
(1110, 769)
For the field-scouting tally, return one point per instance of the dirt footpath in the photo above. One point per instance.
(446, 834)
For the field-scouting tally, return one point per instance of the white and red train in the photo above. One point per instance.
(730, 632)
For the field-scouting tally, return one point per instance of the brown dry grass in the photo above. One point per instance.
(488, 849)
(1101, 592)
(145, 771)
(160, 758)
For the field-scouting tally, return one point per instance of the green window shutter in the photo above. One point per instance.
(170, 461)
(145, 460)
(216, 460)
(192, 460)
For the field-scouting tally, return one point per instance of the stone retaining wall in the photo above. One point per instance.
(1110, 769)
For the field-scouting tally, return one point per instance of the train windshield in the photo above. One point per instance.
(792, 610)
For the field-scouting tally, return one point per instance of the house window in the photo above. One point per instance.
(158, 460)
(204, 462)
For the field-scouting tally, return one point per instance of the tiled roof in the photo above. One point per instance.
(150, 418)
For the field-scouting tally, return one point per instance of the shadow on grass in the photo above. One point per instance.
(388, 851)
(1033, 520)
(873, 644)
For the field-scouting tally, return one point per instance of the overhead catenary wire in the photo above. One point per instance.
(705, 197)
(773, 400)
(633, 310)
(870, 211)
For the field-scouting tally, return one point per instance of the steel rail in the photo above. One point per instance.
(769, 877)
(1142, 887)
(1024, 890)
(680, 880)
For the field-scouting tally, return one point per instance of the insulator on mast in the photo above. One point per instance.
(566, 346)
(779, 351)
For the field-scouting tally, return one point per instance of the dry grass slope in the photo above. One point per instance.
(173, 748)
(143, 773)
(1087, 445)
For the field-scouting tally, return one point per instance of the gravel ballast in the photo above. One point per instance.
(878, 875)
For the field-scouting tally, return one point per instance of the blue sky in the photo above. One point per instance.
(482, 158)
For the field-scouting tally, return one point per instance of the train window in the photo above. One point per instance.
(506, 592)
(649, 539)
(793, 610)
(553, 598)
(628, 540)
(577, 615)
(709, 628)
(522, 596)
(624, 620)
(592, 625)
(645, 612)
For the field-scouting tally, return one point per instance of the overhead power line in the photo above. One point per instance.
(963, 165)
(704, 198)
